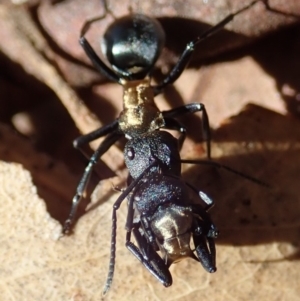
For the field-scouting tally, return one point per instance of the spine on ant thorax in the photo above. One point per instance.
(140, 114)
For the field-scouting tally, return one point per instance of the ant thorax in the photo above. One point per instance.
(140, 114)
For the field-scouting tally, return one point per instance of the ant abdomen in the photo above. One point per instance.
(132, 45)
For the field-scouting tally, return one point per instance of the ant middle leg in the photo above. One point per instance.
(149, 257)
(104, 146)
(193, 108)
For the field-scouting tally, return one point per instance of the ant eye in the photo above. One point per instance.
(130, 153)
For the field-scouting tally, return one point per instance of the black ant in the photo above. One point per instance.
(164, 212)
(132, 45)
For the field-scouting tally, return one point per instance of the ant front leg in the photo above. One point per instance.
(146, 253)
(173, 124)
(192, 108)
(129, 226)
(149, 257)
(206, 251)
(104, 146)
(203, 235)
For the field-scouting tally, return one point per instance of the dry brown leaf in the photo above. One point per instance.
(28, 47)
(181, 20)
(258, 248)
(257, 252)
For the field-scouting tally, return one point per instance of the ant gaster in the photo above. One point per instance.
(132, 45)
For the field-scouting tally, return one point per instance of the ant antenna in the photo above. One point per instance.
(225, 167)
(116, 206)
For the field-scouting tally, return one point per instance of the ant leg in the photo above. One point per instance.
(207, 200)
(173, 124)
(204, 234)
(146, 253)
(104, 146)
(206, 252)
(128, 226)
(190, 47)
(193, 108)
(95, 59)
(203, 196)
(207, 222)
(207, 227)
(85, 139)
(149, 258)
(98, 63)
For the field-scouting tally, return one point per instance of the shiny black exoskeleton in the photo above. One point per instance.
(132, 45)
(170, 211)
(164, 213)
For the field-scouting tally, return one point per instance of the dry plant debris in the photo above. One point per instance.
(258, 248)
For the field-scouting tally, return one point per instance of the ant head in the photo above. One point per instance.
(160, 147)
(132, 45)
